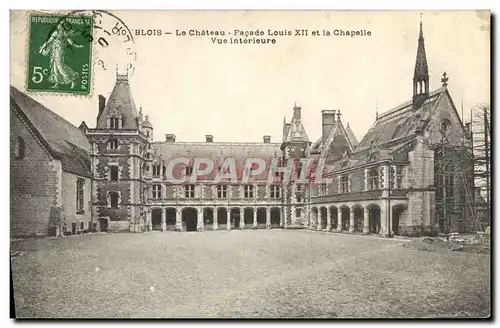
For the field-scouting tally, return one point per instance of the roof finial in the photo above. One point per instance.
(421, 33)
(444, 80)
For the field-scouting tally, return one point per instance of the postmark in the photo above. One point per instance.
(60, 53)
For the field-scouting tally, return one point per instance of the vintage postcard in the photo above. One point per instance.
(250, 164)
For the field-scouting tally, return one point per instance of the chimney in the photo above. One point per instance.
(468, 129)
(170, 137)
(209, 138)
(296, 112)
(267, 139)
(102, 104)
(327, 123)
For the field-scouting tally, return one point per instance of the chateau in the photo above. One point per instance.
(411, 174)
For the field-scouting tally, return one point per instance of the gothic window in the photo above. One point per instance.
(113, 199)
(248, 191)
(298, 198)
(113, 144)
(114, 123)
(373, 179)
(157, 191)
(156, 170)
(188, 171)
(189, 191)
(20, 148)
(79, 195)
(299, 187)
(344, 183)
(221, 191)
(275, 191)
(445, 130)
(113, 172)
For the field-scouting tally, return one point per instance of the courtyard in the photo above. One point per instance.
(244, 274)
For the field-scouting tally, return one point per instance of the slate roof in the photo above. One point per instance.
(62, 139)
(218, 152)
(147, 123)
(352, 138)
(120, 101)
(400, 122)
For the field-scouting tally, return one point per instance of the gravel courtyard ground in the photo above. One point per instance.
(264, 274)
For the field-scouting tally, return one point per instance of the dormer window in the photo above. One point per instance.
(114, 123)
(157, 170)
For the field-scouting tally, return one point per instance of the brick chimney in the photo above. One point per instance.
(170, 137)
(267, 139)
(209, 138)
(327, 123)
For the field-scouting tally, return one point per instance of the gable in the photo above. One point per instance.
(445, 112)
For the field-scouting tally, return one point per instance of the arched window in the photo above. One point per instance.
(445, 130)
(20, 148)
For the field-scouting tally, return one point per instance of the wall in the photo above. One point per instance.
(34, 181)
(421, 191)
(68, 197)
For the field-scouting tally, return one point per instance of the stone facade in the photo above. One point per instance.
(390, 182)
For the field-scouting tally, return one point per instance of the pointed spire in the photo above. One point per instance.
(421, 69)
(421, 73)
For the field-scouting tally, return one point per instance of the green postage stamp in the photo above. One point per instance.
(60, 53)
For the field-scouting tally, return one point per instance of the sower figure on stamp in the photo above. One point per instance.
(55, 47)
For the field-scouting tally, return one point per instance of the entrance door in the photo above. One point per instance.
(103, 223)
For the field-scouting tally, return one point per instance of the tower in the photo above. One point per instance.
(119, 145)
(421, 73)
(295, 147)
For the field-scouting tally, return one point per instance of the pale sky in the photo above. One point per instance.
(192, 87)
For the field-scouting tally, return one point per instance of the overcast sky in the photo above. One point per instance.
(192, 87)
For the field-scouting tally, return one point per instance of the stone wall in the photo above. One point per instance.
(35, 182)
(68, 197)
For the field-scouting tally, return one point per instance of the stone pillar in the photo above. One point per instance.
(268, 218)
(255, 218)
(150, 221)
(178, 219)
(366, 221)
(200, 226)
(242, 218)
(351, 219)
(228, 225)
(216, 219)
(328, 219)
(319, 224)
(384, 217)
(163, 219)
(339, 219)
